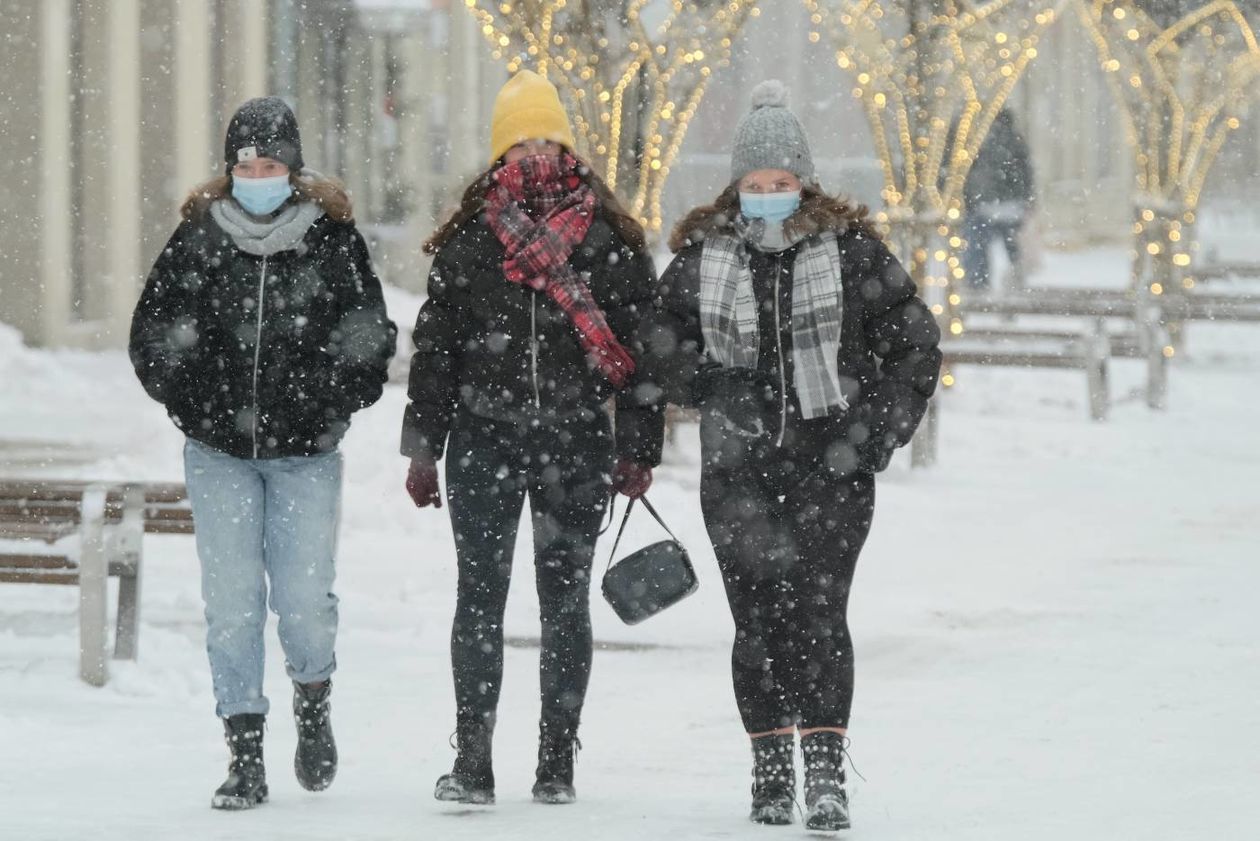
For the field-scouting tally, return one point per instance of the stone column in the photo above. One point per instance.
(55, 231)
(195, 127)
(245, 37)
(124, 228)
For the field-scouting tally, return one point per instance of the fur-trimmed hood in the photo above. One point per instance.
(328, 193)
(818, 212)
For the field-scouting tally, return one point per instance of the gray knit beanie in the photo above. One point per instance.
(770, 137)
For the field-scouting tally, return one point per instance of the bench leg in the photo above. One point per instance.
(1098, 350)
(923, 445)
(1156, 368)
(128, 547)
(1099, 399)
(93, 587)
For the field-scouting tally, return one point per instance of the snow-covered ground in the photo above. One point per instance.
(1057, 632)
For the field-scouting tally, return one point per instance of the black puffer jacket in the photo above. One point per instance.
(888, 357)
(498, 350)
(270, 383)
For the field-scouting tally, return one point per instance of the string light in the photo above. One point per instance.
(1186, 83)
(931, 78)
(604, 76)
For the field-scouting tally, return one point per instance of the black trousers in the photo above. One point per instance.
(564, 470)
(787, 531)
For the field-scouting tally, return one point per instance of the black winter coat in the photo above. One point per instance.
(498, 350)
(888, 357)
(1002, 171)
(270, 383)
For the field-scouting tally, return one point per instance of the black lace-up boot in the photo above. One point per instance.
(774, 779)
(826, 801)
(472, 778)
(557, 749)
(246, 783)
(315, 762)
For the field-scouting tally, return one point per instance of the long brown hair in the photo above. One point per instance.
(818, 212)
(474, 200)
(328, 193)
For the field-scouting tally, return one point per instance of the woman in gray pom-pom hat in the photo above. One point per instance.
(786, 320)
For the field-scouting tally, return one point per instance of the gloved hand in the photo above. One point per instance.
(746, 399)
(629, 478)
(422, 482)
(874, 454)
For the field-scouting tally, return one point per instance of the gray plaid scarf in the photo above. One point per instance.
(728, 313)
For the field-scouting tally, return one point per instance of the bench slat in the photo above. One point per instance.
(20, 561)
(44, 577)
(71, 491)
(47, 532)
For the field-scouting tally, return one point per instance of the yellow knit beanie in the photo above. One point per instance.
(528, 108)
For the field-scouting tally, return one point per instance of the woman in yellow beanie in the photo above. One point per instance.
(538, 285)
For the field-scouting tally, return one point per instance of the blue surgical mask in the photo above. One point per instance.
(772, 207)
(261, 196)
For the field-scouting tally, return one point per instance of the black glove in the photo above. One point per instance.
(874, 454)
(745, 400)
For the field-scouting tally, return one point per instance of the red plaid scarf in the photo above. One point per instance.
(540, 210)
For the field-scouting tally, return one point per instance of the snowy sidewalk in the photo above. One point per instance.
(1056, 633)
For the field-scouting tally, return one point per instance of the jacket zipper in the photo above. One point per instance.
(778, 335)
(533, 346)
(262, 283)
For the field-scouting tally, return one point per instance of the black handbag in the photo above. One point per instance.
(646, 582)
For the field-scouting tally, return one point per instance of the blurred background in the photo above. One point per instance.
(112, 110)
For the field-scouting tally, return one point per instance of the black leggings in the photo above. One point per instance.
(490, 467)
(787, 538)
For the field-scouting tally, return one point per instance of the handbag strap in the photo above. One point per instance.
(626, 518)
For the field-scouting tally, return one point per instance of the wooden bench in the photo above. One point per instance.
(1224, 271)
(1144, 334)
(1085, 351)
(38, 520)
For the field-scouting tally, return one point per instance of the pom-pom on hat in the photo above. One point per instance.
(770, 137)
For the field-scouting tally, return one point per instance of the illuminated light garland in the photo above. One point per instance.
(931, 76)
(1186, 83)
(599, 67)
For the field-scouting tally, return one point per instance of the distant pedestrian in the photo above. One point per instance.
(998, 197)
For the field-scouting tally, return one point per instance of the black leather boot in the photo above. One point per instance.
(826, 801)
(246, 783)
(774, 780)
(315, 762)
(557, 749)
(472, 778)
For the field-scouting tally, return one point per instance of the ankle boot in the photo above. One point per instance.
(557, 749)
(826, 801)
(774, 779)
(315, 762)
(246, 783)
(472, 778)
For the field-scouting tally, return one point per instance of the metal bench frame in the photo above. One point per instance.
(111, 520)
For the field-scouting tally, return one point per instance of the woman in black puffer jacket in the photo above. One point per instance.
(786, 320)
(261, 329)
(538, 286)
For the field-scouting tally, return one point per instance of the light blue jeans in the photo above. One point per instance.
(260, 520)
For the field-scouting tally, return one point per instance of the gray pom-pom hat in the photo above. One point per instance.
(770, 137)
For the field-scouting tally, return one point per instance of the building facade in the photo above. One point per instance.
(115, 109)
